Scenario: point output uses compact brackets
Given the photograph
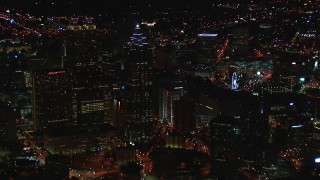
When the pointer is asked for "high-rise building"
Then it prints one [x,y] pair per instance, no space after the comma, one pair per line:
[137,39]
[167,99]
[150,32]
[240,40]
[137,102]
[89,80]
[51,100]
[21,79]
[226,135]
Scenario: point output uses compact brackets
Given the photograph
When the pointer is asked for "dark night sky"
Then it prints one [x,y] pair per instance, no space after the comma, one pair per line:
[99,6]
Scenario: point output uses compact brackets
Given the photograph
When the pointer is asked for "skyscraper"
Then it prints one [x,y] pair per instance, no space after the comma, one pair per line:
[137,102]
[167,99]
[240,40]
[51,100]
[89,80]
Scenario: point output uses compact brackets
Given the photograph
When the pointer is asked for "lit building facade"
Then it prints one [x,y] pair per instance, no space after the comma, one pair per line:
[91,105]
[282,85]
[136,106]
[79,141]
[89,80]
[167,99]
[51,100]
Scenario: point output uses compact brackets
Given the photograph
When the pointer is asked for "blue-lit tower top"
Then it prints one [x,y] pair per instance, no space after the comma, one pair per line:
[137,39]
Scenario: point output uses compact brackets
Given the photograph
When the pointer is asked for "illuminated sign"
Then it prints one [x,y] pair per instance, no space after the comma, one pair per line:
[149,24]
[55,72]
[297,126]
[207,35]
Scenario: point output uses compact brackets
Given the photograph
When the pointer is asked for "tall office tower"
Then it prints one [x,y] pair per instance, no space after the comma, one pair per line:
[51,100]
[137,102]
[240,40]
[226,136]
[150,32]
[114,66]
[91,91]
[167,98]
[137,39]
[207,45]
